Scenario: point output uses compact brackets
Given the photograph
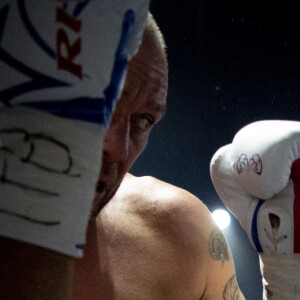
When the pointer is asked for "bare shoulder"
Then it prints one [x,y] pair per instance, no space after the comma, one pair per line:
[166,206]
[189,225]
[149,192]
[176,226]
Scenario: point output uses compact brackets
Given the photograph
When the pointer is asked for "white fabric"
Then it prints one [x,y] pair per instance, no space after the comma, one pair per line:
[228,189]
[99,34]
[268,222]
[48,204]
[51,144]
[281,276]
[278,144]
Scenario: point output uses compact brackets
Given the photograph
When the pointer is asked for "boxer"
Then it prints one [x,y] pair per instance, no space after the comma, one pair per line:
[151,240]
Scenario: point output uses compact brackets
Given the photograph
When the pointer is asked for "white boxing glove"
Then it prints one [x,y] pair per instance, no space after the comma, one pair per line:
[63,65]
[258,179]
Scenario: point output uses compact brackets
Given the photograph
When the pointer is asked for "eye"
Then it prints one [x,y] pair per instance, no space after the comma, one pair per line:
[142,123]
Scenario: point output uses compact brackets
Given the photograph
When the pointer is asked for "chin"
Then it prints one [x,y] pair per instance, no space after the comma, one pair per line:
[103,196]
[98,205]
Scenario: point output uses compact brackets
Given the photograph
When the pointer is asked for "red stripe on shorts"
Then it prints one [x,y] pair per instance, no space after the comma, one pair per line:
[295,176]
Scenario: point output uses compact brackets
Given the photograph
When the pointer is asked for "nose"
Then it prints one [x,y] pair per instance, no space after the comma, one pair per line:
[116,142]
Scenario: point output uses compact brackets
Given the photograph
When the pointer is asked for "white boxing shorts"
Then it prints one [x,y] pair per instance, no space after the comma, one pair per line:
[62,70]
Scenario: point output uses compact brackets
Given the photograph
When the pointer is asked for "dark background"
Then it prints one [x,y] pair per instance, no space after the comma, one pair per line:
[230,63]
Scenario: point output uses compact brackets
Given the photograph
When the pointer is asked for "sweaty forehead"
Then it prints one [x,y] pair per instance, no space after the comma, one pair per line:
[145,84]
[153,72]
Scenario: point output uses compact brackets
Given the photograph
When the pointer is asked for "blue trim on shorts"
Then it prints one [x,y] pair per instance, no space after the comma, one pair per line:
[82,108]
[79,246]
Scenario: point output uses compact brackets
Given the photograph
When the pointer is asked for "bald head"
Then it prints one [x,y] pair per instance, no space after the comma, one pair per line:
[153,37]
[152,51]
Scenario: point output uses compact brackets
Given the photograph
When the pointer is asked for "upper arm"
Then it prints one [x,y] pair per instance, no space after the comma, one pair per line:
[203,256]
[221,282]
[209,263]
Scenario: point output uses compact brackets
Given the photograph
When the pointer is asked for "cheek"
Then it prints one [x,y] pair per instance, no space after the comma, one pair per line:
[136,148]
[140,147]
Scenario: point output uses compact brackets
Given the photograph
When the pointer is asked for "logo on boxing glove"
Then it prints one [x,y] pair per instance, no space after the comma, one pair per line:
[245,164]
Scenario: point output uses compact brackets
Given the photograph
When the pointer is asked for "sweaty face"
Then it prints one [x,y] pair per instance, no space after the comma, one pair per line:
[141,106]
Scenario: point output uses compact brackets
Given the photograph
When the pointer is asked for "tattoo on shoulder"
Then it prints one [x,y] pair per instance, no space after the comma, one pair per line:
[218,246]
[231,290]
